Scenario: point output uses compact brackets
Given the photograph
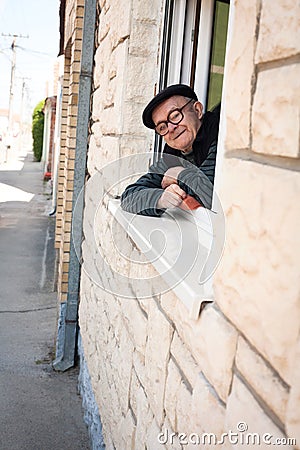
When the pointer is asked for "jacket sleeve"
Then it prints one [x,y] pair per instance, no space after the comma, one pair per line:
[142,196]
[198,181]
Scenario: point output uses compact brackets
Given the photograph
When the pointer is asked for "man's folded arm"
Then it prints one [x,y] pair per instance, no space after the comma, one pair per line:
[195,183]
[198,181]
[142,196]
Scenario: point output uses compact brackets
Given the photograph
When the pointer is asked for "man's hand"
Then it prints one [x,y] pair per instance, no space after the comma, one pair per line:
[170,176]
[171,197]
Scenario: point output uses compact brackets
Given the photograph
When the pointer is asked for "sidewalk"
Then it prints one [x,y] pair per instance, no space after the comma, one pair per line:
[40,409]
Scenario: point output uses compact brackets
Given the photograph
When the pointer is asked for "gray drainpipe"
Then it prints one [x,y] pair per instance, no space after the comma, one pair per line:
[66,357]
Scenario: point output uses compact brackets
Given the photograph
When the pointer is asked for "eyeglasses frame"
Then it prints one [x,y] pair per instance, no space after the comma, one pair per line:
[170,121]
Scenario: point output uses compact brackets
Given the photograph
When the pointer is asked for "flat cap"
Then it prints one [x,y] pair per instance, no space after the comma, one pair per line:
[174,89]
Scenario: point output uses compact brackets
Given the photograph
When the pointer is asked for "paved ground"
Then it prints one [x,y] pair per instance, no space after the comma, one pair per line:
[39,408]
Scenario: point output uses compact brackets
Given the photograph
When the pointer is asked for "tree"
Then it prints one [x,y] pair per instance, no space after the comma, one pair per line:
[38,130]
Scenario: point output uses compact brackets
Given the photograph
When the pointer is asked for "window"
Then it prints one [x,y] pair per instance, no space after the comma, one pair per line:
[193,46]
[193,50]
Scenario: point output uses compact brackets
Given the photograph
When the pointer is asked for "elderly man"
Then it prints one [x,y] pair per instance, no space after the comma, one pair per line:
[187,166]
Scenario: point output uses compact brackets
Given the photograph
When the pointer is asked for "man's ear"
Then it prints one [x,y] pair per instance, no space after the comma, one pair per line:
[199,109]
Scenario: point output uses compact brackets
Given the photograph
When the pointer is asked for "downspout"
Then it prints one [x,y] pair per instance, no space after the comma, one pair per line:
[70,325]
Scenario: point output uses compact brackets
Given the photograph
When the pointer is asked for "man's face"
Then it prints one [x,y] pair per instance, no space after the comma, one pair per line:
[181,136]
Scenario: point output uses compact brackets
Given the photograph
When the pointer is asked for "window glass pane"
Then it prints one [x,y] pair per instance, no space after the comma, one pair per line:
[218,54]
[188,41]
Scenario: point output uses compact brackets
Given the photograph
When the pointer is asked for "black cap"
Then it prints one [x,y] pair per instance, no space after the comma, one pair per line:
[174,89]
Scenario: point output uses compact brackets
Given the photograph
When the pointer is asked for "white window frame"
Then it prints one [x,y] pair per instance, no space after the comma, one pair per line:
[181,46]
[203,49]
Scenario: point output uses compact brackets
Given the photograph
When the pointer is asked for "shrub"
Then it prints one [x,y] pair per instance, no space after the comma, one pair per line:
[38,130]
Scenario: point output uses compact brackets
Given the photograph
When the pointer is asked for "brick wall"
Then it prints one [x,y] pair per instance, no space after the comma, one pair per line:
[73,39]
[152,368]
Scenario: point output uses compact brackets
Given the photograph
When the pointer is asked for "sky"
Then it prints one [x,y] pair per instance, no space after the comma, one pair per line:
[35,54]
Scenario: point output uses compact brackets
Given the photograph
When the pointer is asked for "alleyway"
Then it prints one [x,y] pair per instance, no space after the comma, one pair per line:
[40,409]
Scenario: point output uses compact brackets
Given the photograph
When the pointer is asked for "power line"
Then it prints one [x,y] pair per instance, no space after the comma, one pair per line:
[14,35]
[34,51]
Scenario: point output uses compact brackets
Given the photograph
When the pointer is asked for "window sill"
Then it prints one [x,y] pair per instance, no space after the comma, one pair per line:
[177,245]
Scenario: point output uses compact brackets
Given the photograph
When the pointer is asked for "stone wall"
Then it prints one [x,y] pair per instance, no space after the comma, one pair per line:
[155,371]
[257,283]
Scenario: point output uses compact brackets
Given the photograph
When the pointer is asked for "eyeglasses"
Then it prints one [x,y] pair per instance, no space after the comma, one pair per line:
[174,117]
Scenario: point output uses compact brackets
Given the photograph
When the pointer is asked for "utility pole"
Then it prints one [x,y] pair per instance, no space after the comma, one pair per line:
[11,87]
[12,79]
[23,99]
[22,131]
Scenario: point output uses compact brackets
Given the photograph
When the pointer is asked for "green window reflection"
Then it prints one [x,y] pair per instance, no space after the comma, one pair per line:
[216,72]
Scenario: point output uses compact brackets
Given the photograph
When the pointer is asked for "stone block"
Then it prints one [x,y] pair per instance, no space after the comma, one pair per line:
[144,304]
[108,150]
[120,21]
[144,419]
[139,367]
[207,412]
[143,41]
[135,387]
[111,121]
[124,437]
[239,70]
[172,387]
[261,377]
[92,156]
[99,77]
[121,366]
[143,278]
[183,399]
[149,12]
[257,282]
[275,113]
[135,322]
[211,341]
[246,418]
[133,162]
[167,438]
[108,99]
[132,117]
[184,359]
[96,135]
[156,359]
[136,82]
[136,143]
[114,245]
[293,407]
[107,399]
[279,30]
[190,414]
[152,442]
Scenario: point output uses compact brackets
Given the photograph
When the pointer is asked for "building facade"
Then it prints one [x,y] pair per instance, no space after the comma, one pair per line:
[174,363]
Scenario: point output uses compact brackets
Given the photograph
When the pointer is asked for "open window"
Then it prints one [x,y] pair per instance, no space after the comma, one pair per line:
[193,49]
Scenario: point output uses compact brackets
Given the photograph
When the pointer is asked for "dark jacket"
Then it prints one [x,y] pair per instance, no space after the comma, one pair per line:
[196,179]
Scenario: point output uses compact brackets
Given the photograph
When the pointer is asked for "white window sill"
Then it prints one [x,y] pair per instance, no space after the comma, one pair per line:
[177,245]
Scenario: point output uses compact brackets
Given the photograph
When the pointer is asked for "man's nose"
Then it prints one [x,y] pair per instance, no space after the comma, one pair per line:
[172,126]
